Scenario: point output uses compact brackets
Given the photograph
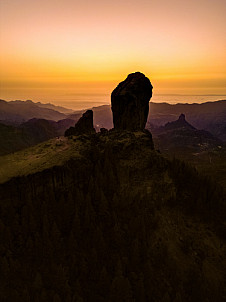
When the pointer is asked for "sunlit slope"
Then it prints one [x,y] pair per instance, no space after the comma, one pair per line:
[35,159]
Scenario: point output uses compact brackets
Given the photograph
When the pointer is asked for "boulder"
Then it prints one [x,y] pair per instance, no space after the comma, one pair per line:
[130,102]
[83,126]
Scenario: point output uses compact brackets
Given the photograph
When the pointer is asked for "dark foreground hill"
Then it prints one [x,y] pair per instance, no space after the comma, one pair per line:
[106,218]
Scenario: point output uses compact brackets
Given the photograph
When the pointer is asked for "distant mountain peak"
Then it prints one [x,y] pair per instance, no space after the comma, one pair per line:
[179,123]
[182,117]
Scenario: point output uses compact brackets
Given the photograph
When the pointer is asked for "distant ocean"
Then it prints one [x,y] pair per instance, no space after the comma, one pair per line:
[78,102]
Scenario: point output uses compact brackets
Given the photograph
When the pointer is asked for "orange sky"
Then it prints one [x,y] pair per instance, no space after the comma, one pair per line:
[55,48]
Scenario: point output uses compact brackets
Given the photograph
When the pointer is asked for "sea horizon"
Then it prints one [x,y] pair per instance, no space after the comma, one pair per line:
[86,101]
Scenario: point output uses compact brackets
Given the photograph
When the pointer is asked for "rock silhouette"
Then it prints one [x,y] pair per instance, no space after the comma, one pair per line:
[182,117]
[130,102]
[83,126]
[179,123]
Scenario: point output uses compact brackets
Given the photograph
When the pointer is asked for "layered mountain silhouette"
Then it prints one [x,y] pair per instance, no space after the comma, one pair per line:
[17,112]
[54,107]
[104,217]
[180,136]
[210,116]
[32,132]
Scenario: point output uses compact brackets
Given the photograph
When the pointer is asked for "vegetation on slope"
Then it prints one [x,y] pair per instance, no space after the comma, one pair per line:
[32,132]
[114,221]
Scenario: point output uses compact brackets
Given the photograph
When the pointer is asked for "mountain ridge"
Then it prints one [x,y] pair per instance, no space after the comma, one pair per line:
[18,112]
[31,132]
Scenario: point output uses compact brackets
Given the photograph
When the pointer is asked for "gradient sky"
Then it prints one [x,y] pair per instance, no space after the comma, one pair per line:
[53,50]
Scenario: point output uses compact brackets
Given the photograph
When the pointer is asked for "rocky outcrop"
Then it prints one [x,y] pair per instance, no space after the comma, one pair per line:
[182,117]
[130,102]
[83,126]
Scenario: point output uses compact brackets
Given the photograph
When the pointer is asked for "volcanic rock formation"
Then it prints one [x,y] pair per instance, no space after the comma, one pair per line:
[83,126]
[130,102]
[179,123]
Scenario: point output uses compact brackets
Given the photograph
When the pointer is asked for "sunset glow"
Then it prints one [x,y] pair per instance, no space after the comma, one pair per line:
[52,49]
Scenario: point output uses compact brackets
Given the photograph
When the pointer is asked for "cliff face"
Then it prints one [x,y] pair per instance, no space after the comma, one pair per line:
[130,102]
[113,221]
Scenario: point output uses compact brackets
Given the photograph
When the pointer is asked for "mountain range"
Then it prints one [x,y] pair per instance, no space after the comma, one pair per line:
[17,112]
[210,116]
[180,136]
[32,132]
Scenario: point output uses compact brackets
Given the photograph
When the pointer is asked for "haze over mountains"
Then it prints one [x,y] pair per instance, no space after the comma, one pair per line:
[17,112]
[210,116]
[25,124]
[180,136]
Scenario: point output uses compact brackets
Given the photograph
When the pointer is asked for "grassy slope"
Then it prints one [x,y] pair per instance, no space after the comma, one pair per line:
[35,159]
